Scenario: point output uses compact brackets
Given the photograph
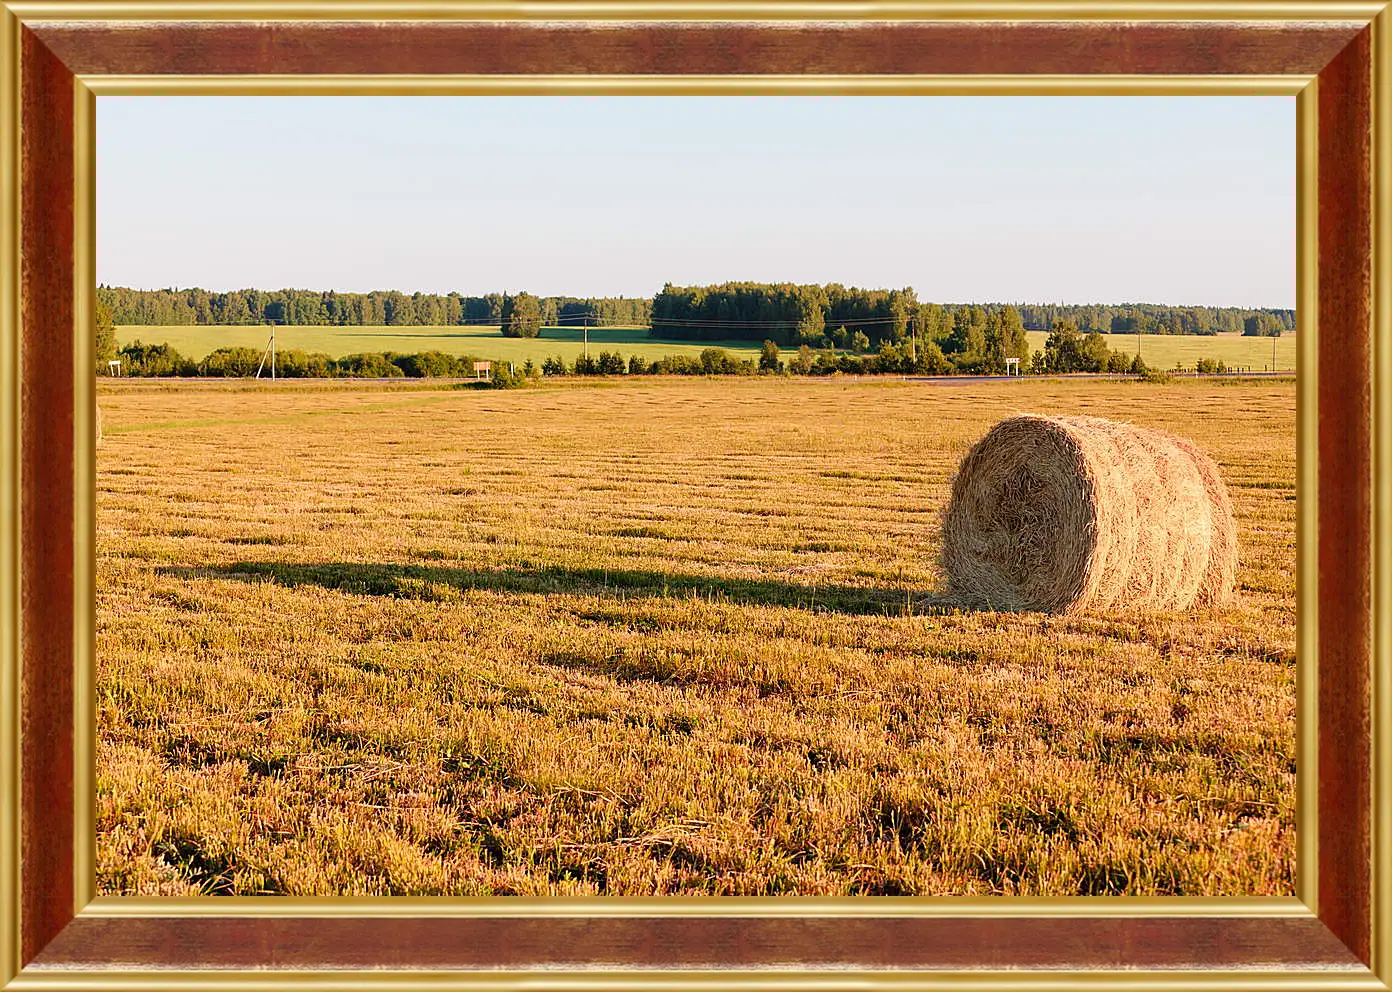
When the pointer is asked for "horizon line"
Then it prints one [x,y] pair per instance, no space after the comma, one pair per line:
[621,296]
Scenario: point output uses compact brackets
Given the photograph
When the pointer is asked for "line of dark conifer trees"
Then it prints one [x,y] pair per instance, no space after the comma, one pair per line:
[836,316]
[378,308]
[787,313]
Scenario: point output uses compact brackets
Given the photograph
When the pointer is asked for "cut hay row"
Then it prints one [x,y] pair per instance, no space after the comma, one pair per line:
[1058,514]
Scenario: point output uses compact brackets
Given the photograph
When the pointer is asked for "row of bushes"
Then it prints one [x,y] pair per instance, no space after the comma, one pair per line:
[889,360]
[162,360]
[929,360]
[712,361]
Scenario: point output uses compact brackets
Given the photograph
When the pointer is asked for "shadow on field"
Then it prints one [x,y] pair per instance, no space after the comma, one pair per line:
[433,582]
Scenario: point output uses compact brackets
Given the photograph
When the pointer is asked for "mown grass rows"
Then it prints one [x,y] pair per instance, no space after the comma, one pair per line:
[669,637]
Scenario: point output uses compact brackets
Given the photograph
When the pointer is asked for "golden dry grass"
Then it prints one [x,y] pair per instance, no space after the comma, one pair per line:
[659,637]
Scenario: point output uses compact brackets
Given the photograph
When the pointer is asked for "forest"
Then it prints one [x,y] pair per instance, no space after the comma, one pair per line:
[786,313]
[379,308]
[834,315]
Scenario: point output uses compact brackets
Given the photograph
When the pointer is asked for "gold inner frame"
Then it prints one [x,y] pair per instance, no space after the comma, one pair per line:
[1304,88]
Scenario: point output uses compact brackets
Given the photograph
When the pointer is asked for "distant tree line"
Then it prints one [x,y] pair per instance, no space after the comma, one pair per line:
[787,313]
[139,359]
[1151,318]
[834,315]
[378,308]
[1067,350]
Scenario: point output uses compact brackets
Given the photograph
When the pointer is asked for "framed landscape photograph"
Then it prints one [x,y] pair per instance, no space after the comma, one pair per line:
[686,495]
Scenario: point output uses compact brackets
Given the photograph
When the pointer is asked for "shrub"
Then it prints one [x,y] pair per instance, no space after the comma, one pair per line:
[931,360]
[892,358]
[503,379]
[636,366]
[611,363]
[1118,362]
[232,362]
[553,366]
[717,361]
[432,364]
[677,365]
[155,360]
[768,358]
[368,365]
[297,364]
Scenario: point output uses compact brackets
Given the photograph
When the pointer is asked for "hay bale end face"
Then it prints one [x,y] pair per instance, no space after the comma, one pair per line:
[1056,514]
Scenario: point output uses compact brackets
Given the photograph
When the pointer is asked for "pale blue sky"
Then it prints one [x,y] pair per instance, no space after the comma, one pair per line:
[1184,200]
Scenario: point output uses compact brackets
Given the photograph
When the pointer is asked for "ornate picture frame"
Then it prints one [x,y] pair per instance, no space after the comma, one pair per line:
[57,56]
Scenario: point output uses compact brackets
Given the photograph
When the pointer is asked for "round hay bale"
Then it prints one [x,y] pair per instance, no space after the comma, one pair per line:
[1056,514]
[1219,584]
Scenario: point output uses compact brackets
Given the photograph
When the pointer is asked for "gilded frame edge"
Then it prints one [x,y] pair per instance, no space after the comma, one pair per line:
[1360,11]
[1304,904]
[1381,715]
[598,980]
[9,497]
[87,904]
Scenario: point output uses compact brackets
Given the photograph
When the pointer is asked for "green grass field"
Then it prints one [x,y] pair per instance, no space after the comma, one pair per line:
[486,342]
[659,636]
[197,341]
[1164,350]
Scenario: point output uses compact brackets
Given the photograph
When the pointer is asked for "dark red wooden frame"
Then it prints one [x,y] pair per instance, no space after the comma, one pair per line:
[1341,935]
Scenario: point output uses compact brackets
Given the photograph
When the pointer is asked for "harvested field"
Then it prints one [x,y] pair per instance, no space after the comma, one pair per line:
[657,636]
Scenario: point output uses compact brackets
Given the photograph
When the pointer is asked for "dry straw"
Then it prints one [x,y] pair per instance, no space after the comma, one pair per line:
[1064,513]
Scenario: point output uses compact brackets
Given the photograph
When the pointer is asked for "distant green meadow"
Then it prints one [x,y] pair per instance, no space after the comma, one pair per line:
[1164,351]
[197,340]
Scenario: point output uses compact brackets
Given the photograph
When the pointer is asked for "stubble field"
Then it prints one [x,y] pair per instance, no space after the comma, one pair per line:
[659,637]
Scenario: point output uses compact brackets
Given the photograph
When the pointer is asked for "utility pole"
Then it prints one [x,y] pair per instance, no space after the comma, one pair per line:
[269,352]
